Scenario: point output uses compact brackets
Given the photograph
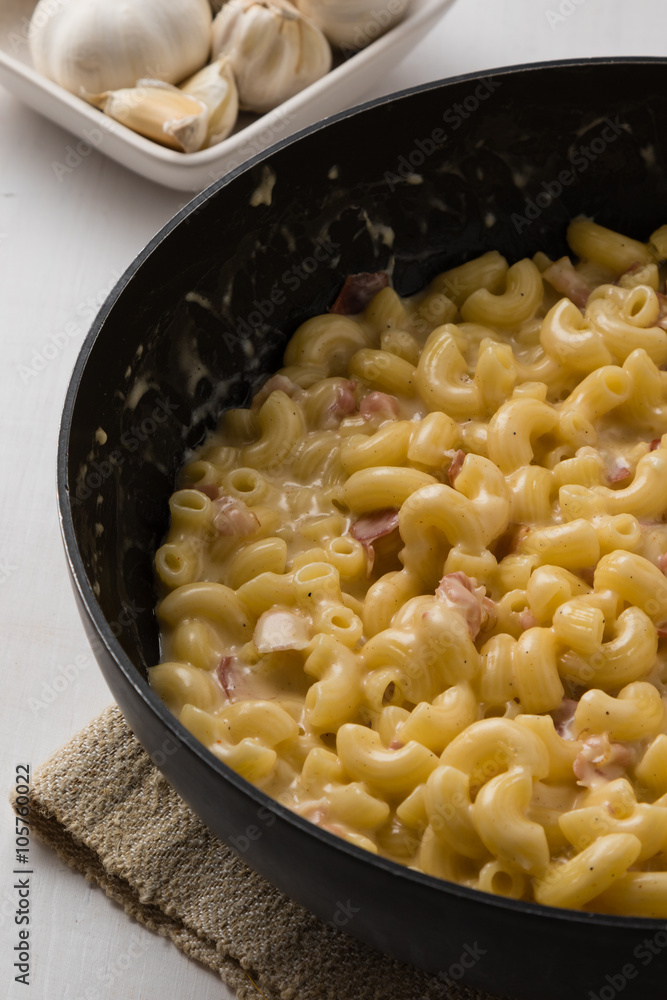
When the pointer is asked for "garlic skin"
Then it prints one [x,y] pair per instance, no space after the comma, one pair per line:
[274,50]
[90,46]
[158,111]
[215,87]
[353,24]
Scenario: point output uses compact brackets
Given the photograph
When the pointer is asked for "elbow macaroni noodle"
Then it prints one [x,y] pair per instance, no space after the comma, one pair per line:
[416,591]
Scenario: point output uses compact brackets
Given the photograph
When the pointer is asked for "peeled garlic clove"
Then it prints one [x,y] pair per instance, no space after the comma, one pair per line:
[353,24]
[159,112]
[275,52]
[101,45]
[215,87]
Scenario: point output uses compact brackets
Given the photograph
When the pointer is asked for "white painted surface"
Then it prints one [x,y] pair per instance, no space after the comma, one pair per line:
[62,243]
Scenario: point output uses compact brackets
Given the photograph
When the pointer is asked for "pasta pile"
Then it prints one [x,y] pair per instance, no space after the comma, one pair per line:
[416,591]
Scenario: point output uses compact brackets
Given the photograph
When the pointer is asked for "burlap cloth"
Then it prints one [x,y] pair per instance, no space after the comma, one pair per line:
[100,803]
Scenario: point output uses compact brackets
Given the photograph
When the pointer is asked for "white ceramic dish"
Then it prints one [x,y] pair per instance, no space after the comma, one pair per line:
[339,89]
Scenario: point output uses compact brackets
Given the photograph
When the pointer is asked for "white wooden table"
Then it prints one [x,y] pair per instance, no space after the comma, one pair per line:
[63,243]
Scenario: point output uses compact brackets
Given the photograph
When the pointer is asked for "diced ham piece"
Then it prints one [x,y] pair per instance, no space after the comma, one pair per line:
[344,404]
[379,404]
[211,491]
[462,594]
[655,443]
[601,760]
[617,471]
[233,517]
[369,527]
[229,676]
[562,276]
[278,630]
[563,717]
[527,619]
[374,525]
[280,382]
[395,745]
[358,291]
[458,458]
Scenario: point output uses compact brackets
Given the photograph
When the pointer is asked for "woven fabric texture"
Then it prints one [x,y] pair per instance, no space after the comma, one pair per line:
[101,804]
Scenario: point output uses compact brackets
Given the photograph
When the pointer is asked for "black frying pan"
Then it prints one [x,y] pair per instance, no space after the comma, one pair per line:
[419,181]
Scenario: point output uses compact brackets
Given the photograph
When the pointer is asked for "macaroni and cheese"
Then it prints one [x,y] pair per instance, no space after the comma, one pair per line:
[416,590]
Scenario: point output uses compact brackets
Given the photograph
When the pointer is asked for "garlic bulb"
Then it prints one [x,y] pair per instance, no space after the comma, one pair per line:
[98,45]
[274,50]
[353,24]
[214,86]
[159,112]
